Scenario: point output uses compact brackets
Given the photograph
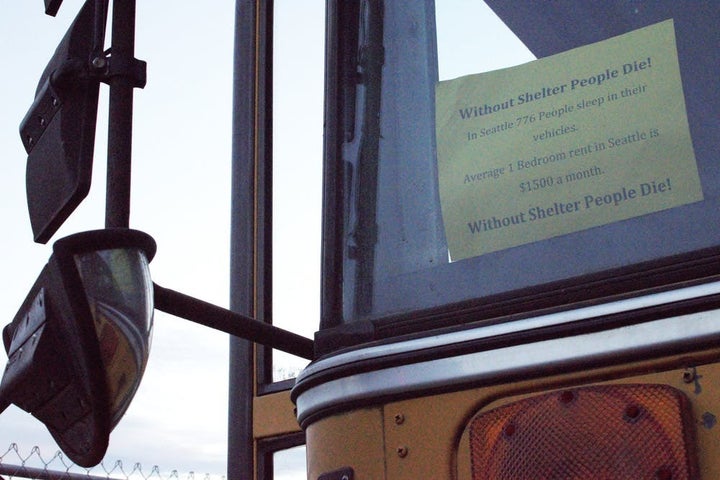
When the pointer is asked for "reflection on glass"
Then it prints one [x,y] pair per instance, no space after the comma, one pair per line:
[119,292]
[394,238]
[463,50]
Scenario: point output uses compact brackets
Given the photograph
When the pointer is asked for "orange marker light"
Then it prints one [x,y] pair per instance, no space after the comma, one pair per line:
[600,432]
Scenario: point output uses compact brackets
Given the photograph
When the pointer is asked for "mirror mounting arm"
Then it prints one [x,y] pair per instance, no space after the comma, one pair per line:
[218,318]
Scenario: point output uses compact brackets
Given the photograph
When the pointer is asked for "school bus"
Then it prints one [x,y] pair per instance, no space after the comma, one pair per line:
[519,264]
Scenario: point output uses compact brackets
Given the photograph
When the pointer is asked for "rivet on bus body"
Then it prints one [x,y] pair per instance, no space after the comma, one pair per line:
[632,413]
[663,473]
[567,397]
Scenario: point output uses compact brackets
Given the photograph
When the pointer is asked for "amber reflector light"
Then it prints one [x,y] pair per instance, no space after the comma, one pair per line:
[601,432]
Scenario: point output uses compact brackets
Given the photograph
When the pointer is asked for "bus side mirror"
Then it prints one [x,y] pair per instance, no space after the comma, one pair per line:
[78,346]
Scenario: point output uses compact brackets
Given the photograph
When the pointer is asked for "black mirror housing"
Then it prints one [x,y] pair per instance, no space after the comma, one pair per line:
[78,346]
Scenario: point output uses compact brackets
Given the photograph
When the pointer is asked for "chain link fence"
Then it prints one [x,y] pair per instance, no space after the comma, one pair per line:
[14,464]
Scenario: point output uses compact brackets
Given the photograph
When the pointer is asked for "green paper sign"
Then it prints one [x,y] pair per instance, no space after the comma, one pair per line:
[587,137]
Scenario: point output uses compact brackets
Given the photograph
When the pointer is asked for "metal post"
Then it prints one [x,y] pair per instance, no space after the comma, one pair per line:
[122,82]
[241,457]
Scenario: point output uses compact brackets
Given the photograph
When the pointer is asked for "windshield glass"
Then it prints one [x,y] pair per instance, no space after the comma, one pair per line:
[468,174]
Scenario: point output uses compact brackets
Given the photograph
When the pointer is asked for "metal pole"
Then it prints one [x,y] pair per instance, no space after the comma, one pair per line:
[122,82]
[241,456]
[242,326]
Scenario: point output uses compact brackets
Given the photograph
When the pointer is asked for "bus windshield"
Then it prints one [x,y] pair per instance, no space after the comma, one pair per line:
[491,159]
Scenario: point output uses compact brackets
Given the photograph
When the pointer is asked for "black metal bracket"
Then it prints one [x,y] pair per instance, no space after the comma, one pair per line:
[218,318]
[107,67]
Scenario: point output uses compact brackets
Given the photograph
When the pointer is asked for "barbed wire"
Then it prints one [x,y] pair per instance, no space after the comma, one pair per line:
[34,466]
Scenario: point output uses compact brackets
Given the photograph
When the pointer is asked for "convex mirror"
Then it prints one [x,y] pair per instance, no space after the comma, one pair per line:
[78,346]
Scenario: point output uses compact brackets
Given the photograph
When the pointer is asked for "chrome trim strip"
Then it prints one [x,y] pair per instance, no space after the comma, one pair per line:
[487,367]
[595,311]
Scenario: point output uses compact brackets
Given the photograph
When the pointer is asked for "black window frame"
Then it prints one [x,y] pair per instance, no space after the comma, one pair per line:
[251,365]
